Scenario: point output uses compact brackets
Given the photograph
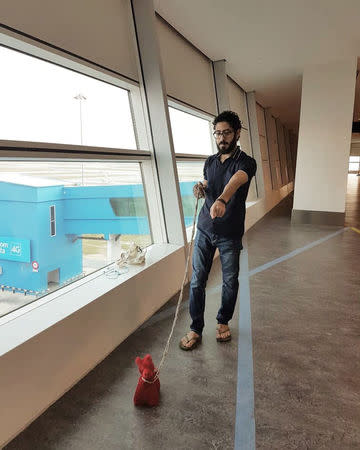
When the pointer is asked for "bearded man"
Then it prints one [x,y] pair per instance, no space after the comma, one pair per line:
[227,177]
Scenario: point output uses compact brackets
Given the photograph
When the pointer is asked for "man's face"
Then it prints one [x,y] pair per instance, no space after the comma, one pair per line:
[226,137]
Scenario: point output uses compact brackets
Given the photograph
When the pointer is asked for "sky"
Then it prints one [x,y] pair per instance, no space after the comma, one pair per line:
[39,105]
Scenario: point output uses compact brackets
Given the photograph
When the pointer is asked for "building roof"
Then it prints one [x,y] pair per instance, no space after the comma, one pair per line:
[26,180]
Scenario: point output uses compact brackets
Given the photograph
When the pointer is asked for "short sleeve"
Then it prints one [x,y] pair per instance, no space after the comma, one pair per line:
[206,165]
[249,167]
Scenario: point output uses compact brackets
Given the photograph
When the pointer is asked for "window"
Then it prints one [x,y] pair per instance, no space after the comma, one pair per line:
[189,174]
[52,221]
[44,102]
[191,134]
[354,164]
[96,209]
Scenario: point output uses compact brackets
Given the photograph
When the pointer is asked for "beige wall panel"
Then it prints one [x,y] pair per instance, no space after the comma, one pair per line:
[245,142]
[264,148]
[273,152]
[355,149]
[267,176]
[98,31]
[278,174]
[261,120]
[237,99]
[188,73]
[275,174]
[288,155]
[252,194]
[282,152]
[293,147]
[246,147]
[273,141]
[265,204]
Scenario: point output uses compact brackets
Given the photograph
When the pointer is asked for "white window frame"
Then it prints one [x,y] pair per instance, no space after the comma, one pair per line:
[144,153]
[191,157]
[197,113]
[9,40]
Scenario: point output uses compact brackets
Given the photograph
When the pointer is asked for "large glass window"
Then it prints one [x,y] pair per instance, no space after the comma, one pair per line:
[43,102]
[354,164]
[189,174]
[95,209]
[191,134]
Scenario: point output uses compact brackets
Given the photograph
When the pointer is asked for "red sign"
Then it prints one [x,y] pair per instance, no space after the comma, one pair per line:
[35,266]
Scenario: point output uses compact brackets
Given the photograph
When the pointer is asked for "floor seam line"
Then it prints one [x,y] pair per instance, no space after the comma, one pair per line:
[294,253]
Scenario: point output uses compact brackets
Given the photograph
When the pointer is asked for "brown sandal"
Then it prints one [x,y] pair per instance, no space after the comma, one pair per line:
[196,339]
[223,339]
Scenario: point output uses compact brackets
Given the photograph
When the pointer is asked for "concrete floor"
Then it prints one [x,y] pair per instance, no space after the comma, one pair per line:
[305,328]
[305,319]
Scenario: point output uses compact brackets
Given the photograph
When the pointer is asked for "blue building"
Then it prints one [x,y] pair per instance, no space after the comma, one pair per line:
[43,222]
[36,248]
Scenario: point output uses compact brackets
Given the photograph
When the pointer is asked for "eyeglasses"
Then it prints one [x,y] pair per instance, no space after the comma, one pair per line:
[224,133]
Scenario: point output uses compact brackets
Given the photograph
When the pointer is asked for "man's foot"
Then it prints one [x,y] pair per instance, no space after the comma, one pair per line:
[223,333]
[190,341]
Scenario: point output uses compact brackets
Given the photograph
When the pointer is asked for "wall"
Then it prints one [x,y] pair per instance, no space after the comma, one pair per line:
[38,372]
[324,136]
[258,210]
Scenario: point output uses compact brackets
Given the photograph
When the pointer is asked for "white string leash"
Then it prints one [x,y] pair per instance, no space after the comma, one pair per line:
[166,350]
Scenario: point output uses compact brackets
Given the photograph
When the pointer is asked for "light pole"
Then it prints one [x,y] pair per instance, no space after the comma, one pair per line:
[81,97]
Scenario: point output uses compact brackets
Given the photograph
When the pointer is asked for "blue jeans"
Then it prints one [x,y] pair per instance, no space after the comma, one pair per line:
[204,248]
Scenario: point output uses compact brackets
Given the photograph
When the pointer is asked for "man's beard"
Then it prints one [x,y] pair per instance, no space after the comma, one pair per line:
[230,149]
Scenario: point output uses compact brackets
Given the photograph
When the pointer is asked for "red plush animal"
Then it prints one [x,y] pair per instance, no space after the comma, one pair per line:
[147,391]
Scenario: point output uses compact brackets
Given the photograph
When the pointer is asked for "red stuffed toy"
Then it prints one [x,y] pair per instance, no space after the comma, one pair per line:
[147,391]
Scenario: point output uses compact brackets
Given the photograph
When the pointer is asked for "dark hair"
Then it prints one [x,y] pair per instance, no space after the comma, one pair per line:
[230,117]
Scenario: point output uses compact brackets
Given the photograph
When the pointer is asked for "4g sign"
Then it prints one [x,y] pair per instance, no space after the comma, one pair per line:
[14,249]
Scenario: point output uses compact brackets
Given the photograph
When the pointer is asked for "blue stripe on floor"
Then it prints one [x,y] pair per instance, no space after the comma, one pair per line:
[245,420]
[294,253]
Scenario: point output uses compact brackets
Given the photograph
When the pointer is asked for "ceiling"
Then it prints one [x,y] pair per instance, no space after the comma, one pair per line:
[266,43]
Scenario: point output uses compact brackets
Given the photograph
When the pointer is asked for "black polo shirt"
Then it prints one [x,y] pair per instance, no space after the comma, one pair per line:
[218,175]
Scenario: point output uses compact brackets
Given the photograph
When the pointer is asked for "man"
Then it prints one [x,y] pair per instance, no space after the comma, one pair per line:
[227,177]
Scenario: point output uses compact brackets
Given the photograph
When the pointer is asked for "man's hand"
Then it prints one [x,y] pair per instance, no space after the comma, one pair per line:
[218,209]
[199,190]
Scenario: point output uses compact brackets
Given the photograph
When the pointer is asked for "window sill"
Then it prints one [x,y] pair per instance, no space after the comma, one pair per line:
[21,325]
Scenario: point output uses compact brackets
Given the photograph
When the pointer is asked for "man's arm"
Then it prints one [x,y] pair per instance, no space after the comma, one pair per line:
[238,179]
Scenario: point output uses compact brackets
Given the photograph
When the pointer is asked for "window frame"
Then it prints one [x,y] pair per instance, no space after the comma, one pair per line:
[356,171]
[22,45]
[11,150]
[191,157]
[144,154]
[200,114]
[52,208]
